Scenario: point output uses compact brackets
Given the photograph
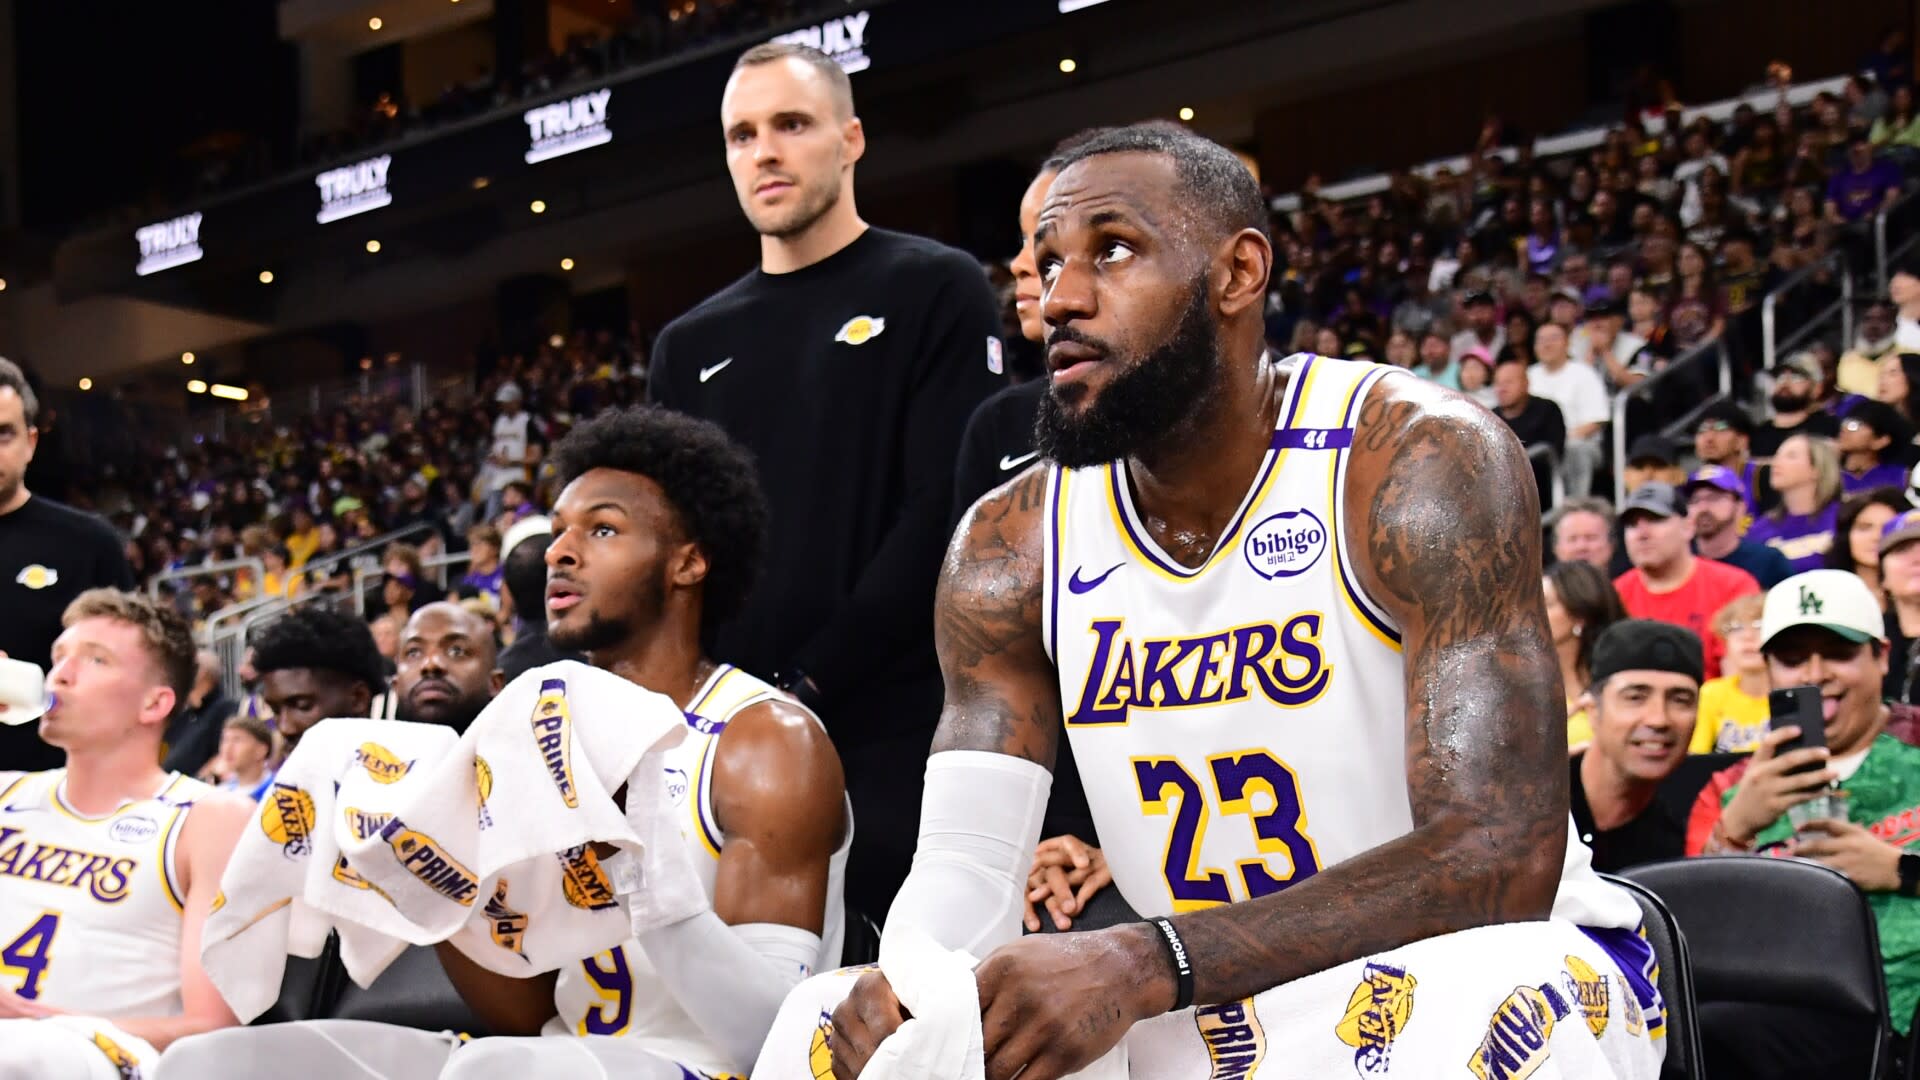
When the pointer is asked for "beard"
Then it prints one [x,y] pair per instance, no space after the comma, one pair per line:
[783,223]
[457,713]
[1143,404]
[1790,403]
[602,631]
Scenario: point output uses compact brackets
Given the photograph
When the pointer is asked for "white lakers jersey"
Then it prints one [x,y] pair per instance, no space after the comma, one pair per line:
[90,907]
[618,992]
[1240,725]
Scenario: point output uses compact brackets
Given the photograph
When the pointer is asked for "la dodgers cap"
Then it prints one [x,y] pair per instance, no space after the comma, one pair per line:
[1833,600]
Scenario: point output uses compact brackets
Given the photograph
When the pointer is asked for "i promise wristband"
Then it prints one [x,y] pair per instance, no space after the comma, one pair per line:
[1182,967]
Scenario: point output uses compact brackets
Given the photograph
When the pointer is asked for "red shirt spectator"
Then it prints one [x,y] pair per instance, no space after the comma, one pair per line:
[1668,581]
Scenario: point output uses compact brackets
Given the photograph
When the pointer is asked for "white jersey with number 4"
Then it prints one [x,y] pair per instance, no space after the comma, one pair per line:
[618,992]
[91,907]
[1240,725]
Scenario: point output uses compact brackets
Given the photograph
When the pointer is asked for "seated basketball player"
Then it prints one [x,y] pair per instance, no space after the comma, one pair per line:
[1286,614]
[108,866]
[657,533]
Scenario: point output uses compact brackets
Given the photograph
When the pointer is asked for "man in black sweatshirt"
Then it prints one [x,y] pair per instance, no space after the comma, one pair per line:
[848,362]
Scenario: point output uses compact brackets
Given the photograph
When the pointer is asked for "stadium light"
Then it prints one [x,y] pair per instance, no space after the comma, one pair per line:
[186,358]
[556,341]
[480,183]
[1186,113]
[373,247]
[231,393]
[1067,65]
[266,277]
[195,386]
[375,23]
[3,284]
[86,384]
[537,206]
[566,264]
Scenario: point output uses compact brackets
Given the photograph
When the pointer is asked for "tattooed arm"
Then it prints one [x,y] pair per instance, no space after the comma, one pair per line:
[1001,693]
[1444,499]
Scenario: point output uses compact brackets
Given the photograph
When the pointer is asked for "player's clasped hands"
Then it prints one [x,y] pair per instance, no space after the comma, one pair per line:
[15,1007]
[1770,786]
[1066,873]
[1050,1005]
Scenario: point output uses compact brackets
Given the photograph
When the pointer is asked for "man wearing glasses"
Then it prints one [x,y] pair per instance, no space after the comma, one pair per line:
[1723,436]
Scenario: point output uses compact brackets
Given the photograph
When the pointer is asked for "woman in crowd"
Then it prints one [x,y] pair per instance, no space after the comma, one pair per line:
[1580,604]
[1696,314]
[1476,377]
[1862,518]
[1900,579]
[1806,477]
[1900,386]
[1733,707]
[1402,351]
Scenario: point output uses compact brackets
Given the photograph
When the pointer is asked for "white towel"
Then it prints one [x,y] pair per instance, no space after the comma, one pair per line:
[392,833]
[942,1039]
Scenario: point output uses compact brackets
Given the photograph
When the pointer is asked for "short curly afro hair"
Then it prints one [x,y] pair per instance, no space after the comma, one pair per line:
[710,480]
[321,639]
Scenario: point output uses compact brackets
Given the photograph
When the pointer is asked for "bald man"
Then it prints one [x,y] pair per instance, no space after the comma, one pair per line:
[445,666]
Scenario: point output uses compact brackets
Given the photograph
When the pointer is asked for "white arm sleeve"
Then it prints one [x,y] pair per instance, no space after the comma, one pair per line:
[731,979]
[979,825]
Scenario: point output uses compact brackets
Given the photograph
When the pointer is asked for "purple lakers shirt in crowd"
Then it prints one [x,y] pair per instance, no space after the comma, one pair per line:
[1802,538]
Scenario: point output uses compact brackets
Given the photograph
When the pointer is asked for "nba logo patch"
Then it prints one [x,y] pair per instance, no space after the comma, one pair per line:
[996,362]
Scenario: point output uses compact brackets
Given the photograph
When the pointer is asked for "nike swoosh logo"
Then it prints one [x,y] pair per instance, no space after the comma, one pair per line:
[1008,462]
[709,372]
[1077,586]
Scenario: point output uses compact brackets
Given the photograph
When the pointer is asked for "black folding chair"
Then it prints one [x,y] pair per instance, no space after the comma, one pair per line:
[413,991]
[1782,935]
[1676,983]
[861,943]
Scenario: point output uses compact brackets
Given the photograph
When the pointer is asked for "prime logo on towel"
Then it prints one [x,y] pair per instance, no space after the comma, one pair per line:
[1236,1043]
[553,732]
[483,785]
[1377,1012]
[1516,1042]
[286,816]
[124,1063]
[380,763]
[585,884]
[1588,988]
[508,927]
[424,858]
[363,824]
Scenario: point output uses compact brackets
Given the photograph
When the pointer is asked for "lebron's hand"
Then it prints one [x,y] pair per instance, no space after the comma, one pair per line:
[869,1014]
[1054,1004]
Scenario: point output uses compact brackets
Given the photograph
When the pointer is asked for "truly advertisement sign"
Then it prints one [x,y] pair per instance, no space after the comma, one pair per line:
[167,244]
[353,189]
[566,127]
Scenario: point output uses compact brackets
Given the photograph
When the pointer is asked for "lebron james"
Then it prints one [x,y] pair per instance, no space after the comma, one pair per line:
[1287,612]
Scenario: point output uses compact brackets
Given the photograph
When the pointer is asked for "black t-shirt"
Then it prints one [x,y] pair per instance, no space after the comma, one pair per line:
[1767,437]
[1660,832]
[1539,422]
[49,554]
[998,443]
[850,380]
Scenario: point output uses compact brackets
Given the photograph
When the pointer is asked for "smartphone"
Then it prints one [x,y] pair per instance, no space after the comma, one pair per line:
[1798,706]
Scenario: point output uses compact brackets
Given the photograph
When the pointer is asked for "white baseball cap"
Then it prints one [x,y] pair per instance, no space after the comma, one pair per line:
[1834,600]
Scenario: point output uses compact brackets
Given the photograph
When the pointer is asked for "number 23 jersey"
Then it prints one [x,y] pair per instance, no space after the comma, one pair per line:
[1240,724]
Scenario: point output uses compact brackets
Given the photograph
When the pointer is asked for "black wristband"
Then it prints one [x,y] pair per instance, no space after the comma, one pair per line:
[1909,874]
[1182,967]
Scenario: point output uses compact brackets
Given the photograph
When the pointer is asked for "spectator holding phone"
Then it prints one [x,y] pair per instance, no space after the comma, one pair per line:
[1823,628]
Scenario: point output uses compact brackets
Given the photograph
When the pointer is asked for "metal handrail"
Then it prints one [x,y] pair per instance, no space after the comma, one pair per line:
[1771,348]
[1644,388]
[203,570]
[1557,485]
[364,576]
[366,547]
[1881,257]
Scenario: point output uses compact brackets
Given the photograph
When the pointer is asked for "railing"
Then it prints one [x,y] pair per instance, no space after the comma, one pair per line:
[1882,258]
[203,570]
[1717,348]
[364,576]
[1557,486]
[1771,346]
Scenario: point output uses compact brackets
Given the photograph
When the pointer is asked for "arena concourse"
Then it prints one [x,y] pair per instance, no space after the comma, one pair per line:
[391,349]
